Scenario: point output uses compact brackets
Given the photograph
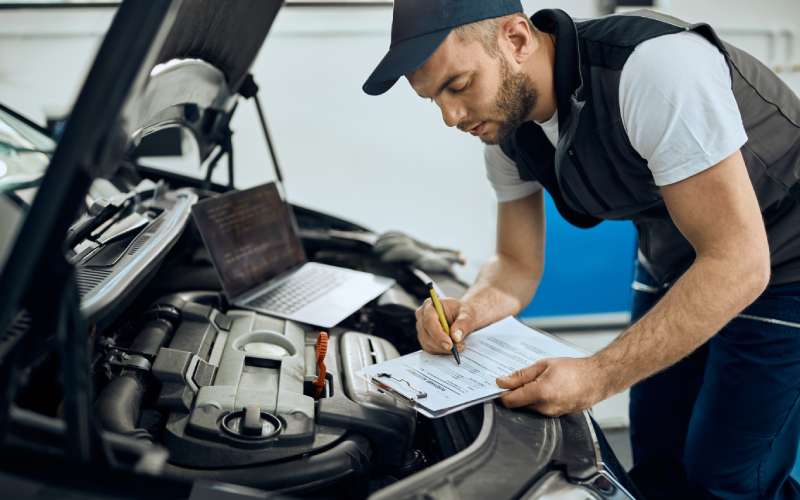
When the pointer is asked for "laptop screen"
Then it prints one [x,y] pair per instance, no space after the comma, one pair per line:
[250,236]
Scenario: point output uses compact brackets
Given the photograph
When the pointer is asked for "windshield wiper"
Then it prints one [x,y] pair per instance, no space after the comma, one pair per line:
[100,212]
[104,209]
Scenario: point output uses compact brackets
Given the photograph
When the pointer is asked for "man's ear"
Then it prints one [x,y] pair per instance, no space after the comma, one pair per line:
[518,37]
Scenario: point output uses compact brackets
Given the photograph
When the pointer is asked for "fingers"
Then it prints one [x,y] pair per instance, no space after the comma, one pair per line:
[427,342]
[554,386]
[527,395]
[452,307]
[522,376]
[531,387]
[462,326]
[430,334]
[432,325]
[534,396]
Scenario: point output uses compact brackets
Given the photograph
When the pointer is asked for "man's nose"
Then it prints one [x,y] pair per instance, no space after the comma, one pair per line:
[452,113]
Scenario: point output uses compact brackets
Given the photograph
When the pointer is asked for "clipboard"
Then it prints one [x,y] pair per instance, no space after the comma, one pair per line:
[435,386]
[416,398]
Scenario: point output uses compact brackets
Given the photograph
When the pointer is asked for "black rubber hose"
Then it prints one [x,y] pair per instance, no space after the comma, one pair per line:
[344,466]
[152,337]
[119,404]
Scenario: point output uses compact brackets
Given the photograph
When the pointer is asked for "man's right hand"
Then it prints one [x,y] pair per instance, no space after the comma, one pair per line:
[430,334]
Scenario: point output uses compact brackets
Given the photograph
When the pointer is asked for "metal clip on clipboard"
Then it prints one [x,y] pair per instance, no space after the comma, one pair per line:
[412,397]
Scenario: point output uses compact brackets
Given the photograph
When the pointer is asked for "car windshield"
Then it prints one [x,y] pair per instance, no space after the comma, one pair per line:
[24,153]
[24,156]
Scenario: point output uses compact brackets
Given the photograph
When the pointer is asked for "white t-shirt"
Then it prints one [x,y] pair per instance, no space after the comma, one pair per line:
[677,108]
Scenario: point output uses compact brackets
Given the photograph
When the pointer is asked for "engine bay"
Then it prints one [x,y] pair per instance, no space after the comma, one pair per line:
[235,395]
[231,396]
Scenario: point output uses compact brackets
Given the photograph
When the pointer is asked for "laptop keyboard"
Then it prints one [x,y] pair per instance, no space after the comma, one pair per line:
[299,290]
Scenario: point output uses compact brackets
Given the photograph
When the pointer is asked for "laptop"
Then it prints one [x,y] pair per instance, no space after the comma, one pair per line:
[253,243]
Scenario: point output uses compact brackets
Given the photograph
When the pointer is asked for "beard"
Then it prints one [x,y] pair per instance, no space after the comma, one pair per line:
[515,99]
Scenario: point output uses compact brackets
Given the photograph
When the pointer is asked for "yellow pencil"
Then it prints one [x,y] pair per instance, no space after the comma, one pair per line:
[443,320]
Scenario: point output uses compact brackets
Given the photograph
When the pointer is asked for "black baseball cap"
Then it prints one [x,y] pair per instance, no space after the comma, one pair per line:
[420,26]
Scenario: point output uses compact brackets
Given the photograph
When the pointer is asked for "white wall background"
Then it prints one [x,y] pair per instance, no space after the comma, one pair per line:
[386,162]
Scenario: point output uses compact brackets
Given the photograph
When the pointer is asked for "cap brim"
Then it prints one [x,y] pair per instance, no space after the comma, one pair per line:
[404,57]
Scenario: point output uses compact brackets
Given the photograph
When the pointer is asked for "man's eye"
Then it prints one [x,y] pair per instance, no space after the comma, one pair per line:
[459,88]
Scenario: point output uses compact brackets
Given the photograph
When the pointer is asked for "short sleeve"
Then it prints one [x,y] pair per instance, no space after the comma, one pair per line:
[504,177]
[678,107]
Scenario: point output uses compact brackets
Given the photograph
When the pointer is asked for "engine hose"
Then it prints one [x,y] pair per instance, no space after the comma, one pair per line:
[119,404]
[152,337]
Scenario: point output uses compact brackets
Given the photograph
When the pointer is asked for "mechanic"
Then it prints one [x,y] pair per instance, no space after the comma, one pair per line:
[646,118]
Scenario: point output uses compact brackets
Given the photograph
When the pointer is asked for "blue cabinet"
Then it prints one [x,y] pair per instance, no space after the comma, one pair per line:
[587,271]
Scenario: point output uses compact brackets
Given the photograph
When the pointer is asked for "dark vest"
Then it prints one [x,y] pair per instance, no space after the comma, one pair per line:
[595,174]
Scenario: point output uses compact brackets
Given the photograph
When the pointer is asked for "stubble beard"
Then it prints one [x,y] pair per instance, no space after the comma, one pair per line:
[515,99]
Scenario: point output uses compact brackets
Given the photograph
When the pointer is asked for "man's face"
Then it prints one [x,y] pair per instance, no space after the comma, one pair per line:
[477,92]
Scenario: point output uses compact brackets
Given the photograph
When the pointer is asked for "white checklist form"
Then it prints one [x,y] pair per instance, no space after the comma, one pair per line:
[435,385]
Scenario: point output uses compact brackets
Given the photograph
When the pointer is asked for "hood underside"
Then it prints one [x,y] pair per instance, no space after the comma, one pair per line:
[201,66]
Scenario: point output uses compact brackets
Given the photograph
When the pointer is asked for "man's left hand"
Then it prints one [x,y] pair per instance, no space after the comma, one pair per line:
[555,386]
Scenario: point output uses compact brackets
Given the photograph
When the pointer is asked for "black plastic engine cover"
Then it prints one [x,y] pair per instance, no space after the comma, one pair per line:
[235,388]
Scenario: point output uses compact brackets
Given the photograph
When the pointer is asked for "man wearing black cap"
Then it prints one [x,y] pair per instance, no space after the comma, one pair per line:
[646,118]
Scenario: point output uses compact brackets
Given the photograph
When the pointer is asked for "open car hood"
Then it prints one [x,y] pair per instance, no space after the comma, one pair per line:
[200,69]
[162,63]
[192,82]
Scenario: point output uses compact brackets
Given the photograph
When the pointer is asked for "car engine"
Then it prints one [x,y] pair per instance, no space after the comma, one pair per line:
[234,395]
